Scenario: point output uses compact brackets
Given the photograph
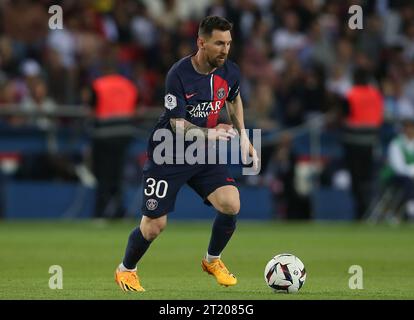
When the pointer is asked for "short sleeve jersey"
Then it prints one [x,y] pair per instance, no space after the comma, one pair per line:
[197,98]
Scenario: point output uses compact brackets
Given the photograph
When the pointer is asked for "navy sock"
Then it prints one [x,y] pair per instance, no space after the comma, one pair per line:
[136,247]
[223,228]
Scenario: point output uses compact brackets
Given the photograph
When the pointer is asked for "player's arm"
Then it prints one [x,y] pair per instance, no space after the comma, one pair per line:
[182,126]
[235,111]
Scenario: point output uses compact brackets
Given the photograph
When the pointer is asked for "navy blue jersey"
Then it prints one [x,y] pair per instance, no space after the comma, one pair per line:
[198,98]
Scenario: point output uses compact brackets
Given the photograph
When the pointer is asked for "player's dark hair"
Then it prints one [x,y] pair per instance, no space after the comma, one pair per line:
[211,23]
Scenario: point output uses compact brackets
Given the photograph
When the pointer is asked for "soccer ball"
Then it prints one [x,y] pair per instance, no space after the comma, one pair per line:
[285,273]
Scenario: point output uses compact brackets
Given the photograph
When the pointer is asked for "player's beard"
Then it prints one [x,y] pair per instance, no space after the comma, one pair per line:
[216,62]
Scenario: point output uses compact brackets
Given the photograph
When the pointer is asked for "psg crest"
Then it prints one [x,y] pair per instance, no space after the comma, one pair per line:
[221,93]
[152,204]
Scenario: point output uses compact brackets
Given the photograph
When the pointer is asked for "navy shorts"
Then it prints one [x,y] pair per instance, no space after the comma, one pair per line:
[161,184]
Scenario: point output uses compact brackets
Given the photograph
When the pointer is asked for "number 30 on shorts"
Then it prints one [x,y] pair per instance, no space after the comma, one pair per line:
[159,187]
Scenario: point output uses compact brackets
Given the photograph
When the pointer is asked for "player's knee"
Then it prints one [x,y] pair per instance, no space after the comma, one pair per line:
[227,201]
[230,207]
[152,228]
[152,232]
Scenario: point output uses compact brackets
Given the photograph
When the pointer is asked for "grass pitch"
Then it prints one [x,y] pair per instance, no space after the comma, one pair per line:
[89,252]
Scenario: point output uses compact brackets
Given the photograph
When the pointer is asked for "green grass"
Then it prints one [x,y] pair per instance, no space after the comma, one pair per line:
[89,252]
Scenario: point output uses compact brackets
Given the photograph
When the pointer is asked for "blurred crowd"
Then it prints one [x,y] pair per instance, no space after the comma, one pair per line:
[297,56]
[293,53]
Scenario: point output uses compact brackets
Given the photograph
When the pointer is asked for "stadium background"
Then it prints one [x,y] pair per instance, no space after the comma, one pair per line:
[296,58]
[291,82]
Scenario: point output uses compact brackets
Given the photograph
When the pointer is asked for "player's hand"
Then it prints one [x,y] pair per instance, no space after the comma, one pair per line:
[227,127]
[221,132]
[246,148]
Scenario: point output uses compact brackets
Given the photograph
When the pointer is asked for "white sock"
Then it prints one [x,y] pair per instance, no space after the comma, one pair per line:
[122,268]
[210,258]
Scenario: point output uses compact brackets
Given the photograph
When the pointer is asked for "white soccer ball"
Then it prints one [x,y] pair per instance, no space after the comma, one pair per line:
[285,273]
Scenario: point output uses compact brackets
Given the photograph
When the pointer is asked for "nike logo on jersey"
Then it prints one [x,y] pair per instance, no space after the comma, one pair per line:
[188,96]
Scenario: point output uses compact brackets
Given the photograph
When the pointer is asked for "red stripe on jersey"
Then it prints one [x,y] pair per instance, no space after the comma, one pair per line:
[220,92]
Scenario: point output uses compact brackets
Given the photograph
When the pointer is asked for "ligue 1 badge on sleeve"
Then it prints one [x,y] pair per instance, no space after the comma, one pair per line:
[170,101]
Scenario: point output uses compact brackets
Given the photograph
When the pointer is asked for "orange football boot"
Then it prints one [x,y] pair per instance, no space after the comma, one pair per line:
[219,271]
[128,280]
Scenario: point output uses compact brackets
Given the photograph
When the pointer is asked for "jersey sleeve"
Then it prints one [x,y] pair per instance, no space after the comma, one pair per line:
[174,101]
[235,83]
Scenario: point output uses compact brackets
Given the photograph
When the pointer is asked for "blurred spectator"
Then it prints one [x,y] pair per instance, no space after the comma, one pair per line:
[370,42]
[63,42]
[39,101]
[392,21]
[218,8]
[263,107]
[9,61]
[408,42]
[338,82]
[289,203]
[143,29]
[312,91]
[320,49]
[61,62]
[255,56]
[364,117]
[289,37]
[408,84]
[345,58]
[395,101]
[8,92]
[401,162]
[146,81]
[168,16]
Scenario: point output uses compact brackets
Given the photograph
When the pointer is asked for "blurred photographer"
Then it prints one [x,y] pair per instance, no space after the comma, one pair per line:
[401,162]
